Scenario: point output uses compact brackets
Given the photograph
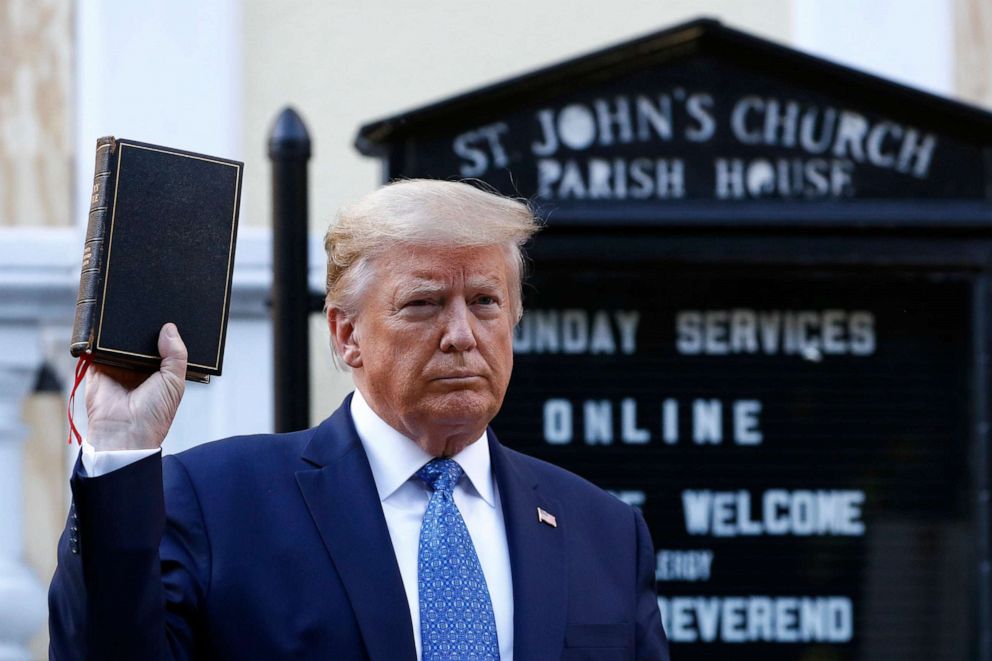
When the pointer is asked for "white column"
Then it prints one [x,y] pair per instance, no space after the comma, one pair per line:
[171,73]
[162,72]
[22,598]
[38,278]
[908,41]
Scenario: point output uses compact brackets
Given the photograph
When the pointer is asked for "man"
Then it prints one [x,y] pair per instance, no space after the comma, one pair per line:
[399,528]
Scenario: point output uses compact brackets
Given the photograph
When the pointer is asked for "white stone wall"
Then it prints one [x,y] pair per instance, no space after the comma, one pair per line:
[35,117]
[908,41]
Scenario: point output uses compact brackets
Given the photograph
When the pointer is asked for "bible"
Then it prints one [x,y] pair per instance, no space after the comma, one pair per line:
[159,247]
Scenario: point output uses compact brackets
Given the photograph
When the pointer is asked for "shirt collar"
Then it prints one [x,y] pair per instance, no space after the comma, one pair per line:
[394,458]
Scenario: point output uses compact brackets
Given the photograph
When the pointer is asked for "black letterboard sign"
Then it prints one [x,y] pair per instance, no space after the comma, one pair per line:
[799,449]
[802,433]
[700,114]
[708,129]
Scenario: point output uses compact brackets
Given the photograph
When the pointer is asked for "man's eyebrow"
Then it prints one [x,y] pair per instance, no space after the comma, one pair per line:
[485,282]
[419,287]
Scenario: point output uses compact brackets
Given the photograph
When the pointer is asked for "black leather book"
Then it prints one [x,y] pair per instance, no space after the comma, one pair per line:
[159,248]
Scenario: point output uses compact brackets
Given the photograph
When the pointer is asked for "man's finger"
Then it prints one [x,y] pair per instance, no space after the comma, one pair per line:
[173,351]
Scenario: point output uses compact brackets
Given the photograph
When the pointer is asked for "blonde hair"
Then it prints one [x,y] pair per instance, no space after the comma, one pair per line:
[421,212]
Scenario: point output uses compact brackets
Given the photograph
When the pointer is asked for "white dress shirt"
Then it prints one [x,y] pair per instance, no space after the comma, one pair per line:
[394,460]
[100,462]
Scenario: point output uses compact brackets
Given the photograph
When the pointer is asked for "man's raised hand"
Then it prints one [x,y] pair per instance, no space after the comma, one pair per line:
[130,410]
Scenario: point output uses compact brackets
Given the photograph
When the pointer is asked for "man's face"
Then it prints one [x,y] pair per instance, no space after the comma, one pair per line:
[431,347]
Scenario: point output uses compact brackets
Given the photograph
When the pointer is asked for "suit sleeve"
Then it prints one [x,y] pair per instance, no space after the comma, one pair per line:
[131,581]
[652,644]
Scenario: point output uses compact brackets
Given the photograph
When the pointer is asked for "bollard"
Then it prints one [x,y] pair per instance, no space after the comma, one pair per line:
[289,152]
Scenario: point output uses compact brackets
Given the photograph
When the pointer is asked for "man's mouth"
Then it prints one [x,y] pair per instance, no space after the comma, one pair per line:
[455,378]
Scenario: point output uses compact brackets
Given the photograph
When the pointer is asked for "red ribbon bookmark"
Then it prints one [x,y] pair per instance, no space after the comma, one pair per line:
[82,365]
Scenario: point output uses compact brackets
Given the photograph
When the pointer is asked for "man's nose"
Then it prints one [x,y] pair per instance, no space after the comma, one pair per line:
[458,332]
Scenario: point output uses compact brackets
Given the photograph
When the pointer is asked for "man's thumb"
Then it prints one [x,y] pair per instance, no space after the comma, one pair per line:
[173,351]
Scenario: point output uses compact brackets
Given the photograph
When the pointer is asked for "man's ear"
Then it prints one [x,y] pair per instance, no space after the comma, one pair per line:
[344,338]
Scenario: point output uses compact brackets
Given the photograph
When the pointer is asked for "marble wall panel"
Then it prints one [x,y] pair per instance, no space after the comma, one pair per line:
[36,49]
[973,51]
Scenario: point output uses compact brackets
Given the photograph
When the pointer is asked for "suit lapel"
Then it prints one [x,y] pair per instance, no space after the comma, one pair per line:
[536,559]
[341,496]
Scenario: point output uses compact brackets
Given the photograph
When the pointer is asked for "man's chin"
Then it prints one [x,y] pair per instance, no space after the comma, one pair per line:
[463,407]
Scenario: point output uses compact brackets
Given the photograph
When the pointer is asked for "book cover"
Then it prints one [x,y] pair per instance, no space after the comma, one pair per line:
[159,248]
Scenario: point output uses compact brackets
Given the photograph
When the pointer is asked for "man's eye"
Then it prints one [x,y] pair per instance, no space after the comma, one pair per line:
[486,300]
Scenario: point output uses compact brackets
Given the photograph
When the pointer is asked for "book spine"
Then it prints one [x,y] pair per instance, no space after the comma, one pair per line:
[90,277]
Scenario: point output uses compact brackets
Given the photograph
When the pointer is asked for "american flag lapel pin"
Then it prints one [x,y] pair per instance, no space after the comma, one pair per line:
[546,517]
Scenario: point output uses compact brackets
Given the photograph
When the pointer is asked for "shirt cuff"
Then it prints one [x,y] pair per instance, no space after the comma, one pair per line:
[100,462]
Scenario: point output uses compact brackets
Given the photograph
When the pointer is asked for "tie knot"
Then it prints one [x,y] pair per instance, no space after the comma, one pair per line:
[441,474]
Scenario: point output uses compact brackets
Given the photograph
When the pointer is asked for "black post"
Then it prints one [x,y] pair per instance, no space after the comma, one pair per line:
[289,151]
[980,327]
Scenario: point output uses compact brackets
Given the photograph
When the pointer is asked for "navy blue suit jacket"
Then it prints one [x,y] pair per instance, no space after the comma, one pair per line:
[275,547]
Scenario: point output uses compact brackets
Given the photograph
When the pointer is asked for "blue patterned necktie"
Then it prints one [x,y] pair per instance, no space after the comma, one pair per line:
[456,614]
